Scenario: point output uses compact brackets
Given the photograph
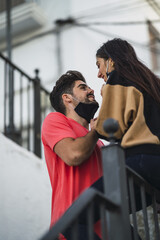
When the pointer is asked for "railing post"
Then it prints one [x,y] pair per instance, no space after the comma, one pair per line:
[11,127]
[37,115]
[115,185]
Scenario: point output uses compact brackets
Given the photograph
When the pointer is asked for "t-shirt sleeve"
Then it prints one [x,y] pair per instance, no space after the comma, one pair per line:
[121,103]
[55,128]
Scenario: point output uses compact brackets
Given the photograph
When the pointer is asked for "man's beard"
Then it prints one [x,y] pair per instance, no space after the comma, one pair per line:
[87,109]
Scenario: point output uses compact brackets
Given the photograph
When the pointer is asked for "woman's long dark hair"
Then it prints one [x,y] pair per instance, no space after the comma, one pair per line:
[128,66]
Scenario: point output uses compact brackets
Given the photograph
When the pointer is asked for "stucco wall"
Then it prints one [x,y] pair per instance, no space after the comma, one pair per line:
[25,193]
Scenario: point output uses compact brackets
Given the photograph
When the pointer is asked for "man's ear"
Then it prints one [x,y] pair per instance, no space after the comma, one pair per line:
[67,98]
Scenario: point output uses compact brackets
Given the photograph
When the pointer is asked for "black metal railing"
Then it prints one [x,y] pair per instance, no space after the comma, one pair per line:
[143,198]
[83,210]
[24,104]
[125,193]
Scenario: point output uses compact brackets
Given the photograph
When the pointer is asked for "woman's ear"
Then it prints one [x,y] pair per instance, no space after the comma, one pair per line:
[112,62]
[111,65]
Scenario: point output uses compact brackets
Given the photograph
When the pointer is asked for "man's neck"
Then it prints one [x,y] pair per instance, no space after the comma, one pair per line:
[77,118]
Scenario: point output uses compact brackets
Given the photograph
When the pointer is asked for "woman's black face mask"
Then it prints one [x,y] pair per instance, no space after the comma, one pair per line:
[87,110]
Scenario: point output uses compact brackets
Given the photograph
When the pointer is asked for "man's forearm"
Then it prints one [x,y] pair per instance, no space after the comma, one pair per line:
[75,151]
[84,146]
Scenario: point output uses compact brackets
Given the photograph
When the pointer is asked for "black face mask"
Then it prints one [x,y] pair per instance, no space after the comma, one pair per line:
[87,110]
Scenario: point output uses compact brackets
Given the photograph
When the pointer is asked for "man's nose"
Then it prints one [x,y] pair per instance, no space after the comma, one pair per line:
[91,91]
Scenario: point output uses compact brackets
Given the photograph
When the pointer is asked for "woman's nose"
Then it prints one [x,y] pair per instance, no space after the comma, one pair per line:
[99,74]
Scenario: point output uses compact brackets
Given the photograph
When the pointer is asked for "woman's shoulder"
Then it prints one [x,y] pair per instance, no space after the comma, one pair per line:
[116,79]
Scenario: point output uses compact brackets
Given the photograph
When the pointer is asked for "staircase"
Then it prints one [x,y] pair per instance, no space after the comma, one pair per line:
[117,206]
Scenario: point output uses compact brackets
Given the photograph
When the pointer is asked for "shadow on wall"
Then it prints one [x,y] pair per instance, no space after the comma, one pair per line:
[25,193]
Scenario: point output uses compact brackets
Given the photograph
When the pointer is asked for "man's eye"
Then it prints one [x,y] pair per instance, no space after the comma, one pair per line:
[83,87]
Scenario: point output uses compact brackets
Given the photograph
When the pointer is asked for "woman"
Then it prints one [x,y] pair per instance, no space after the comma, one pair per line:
[131,96]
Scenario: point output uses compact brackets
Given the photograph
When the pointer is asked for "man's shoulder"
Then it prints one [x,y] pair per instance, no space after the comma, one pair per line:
[53,119]
[55,116]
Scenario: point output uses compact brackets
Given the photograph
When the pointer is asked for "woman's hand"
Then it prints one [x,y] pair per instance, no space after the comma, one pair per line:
[93,123]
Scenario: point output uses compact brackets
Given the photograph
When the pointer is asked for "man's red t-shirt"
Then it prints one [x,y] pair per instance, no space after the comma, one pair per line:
[67,182]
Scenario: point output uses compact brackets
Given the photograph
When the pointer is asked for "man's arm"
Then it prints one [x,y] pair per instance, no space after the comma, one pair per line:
[76,151]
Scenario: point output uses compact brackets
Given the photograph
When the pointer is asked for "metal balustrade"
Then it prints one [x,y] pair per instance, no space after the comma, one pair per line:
[143,198]
[125,193]
[24,103]
[83,210]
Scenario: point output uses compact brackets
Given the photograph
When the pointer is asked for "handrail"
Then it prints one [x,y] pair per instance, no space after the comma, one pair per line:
[25,123]
[45,90]
[76,209]
[140,180]
[16,67]
[22,72]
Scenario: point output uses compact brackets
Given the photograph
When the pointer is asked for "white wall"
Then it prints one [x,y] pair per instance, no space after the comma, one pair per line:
[25,193]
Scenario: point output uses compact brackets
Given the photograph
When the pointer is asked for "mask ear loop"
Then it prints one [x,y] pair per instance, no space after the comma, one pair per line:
[108,56]
[107,68]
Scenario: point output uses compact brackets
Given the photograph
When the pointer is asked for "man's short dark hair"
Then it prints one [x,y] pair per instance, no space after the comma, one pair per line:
[64,84]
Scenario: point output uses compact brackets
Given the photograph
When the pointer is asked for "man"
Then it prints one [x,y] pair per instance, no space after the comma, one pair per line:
[72,152]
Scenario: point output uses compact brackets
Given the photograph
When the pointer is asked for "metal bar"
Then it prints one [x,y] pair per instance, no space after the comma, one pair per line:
[37,116]
[59,59]
[43,100]
[5,96]
[144,210]
[103,221]
[133,207]
[74,233]
[11,81]
[11,96]
[28,122]
[157,232]
[8,32]
[115,188]
[90,217]
[21,109]
[45,108]
[21,102]
[11,100]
